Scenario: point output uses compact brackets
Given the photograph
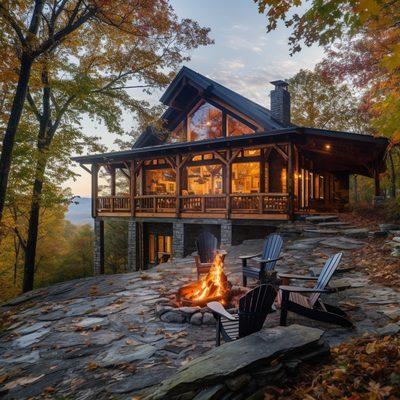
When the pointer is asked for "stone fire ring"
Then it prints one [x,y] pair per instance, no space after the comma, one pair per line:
[192,315]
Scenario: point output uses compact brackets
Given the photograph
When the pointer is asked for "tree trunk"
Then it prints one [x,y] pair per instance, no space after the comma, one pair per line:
[43,143]
[33,227]
[12,126]
[392,176]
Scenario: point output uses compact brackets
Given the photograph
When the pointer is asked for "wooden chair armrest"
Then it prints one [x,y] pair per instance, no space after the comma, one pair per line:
[267,260]
[300,277]
[204,264]
[219,309]
[250,256]
[300,289]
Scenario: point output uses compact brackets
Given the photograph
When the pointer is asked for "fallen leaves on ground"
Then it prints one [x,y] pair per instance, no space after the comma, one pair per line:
[366,368]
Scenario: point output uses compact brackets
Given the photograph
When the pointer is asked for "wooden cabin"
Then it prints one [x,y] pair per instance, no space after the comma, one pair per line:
[222,163]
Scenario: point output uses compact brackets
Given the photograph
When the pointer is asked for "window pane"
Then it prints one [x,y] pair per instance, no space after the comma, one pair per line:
[237,128]
[160,181]
[204,179]
[246,177]
[205,123]
[178,134]
[251,153]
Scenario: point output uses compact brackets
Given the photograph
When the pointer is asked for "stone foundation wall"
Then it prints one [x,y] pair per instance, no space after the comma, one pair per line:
[132,245]
[98,256]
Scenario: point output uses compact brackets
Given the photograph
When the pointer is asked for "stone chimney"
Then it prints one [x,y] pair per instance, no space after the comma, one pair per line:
[280,102]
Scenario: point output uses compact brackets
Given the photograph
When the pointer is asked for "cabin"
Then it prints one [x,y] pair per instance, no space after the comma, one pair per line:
[222,163]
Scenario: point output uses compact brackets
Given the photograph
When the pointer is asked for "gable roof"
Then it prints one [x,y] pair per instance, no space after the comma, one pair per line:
[255,111]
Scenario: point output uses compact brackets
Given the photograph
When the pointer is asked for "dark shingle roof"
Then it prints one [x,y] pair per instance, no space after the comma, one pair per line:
[248,107]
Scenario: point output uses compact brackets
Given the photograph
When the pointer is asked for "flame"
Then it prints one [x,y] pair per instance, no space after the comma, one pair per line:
[213,286]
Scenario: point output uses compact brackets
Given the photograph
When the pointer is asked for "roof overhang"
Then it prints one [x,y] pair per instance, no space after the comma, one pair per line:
[371,150]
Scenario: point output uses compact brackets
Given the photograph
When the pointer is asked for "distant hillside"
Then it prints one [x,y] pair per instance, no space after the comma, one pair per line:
[80,213]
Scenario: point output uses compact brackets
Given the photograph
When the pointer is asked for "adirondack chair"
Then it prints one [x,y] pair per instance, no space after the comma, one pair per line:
[253,309]
[207,247]
[292,298]
[266,260]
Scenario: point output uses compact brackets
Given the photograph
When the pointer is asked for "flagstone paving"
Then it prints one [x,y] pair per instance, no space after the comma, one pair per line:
[102,337]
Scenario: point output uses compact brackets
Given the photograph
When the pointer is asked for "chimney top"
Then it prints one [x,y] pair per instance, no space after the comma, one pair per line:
[280,102]
[280,83]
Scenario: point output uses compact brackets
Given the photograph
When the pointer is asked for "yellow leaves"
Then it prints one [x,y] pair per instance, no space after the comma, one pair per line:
[92,366]
[370,348]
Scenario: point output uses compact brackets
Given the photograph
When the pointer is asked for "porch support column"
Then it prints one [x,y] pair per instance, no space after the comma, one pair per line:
[378,198]
[178,236]
[98,261]
[226,233]
[112,180]
[132,266]
[290,180]
[95,173]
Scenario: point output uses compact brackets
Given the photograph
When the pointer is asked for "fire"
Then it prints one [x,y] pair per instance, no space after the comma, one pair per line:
[213,286]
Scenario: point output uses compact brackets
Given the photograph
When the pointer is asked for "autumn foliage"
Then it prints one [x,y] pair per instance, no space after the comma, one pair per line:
[367,368]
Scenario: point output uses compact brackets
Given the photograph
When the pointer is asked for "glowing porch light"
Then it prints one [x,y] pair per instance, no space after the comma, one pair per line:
[327,146]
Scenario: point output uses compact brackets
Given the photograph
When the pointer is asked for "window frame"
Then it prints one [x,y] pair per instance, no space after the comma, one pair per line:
[225,112]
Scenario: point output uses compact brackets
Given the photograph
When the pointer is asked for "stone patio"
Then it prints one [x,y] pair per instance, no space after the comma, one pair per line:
[102,337]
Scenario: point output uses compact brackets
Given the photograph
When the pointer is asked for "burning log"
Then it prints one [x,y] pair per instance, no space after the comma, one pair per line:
[211,287]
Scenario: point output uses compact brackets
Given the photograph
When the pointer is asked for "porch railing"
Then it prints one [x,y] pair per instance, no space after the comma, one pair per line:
[259,203]
[204,203]
[114,203]
[154,204]
[262,203]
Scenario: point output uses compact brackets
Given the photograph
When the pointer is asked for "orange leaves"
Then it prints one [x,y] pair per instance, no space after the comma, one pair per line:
[367,368]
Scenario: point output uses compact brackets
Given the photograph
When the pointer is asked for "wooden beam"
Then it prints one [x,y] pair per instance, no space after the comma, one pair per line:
[95,172]
[281,152]
[290,180]
[132,186]
[112,180]
[219,157]
[85,168]
[177,183]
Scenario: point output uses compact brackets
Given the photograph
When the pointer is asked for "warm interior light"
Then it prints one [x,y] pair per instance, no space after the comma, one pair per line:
[327,146]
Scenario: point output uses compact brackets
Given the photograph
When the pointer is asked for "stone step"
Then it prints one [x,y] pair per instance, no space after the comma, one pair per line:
[336,224]
[315,219]
[309,232]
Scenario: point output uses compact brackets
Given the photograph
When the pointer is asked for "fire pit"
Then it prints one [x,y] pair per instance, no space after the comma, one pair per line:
[211,287]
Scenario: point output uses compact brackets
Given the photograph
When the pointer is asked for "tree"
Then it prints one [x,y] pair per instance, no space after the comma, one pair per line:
[317,101]
[87,76]
[41,27]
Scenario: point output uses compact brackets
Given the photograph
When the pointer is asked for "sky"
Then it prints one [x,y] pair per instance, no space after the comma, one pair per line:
[245,58]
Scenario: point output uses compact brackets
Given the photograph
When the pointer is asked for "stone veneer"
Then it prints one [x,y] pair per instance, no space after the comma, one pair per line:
[132,245]
[98,256]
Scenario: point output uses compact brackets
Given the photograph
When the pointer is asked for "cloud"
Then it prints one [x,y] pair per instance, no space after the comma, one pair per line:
[254,82]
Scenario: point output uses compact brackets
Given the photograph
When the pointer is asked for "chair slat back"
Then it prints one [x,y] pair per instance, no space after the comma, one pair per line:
[254,307]
[325,276]
[272,249]
[207,246]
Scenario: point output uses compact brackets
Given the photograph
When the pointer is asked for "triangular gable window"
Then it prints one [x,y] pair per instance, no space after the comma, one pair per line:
[236,128]
[205,123]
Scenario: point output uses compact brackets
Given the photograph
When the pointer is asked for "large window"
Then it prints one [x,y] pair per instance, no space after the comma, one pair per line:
[204,179]
[236,128]
[160,181]
[246,177]
[205,123]
[178,134]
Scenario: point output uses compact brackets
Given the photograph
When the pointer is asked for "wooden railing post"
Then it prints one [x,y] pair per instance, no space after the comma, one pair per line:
[177,183]
[260,203]
[290,180]
[132,173]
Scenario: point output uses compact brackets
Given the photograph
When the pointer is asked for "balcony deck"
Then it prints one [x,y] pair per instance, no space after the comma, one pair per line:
[268,206]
